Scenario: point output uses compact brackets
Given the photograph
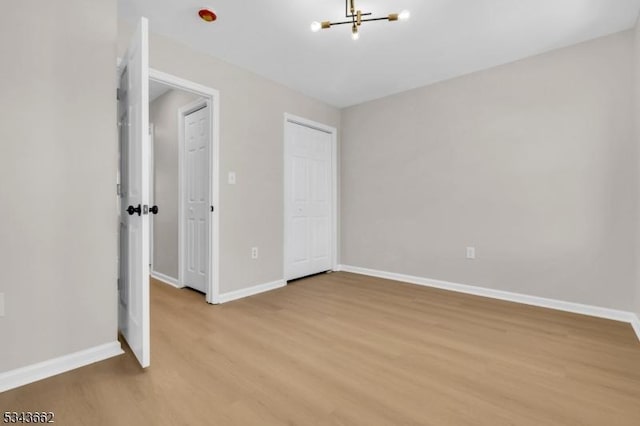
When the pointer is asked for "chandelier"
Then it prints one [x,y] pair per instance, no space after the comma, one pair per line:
[356,18]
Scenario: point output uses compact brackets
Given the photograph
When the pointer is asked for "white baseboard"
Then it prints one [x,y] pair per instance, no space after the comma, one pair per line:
[635,323]
[166,279]
[246,292]
[594,311]
[42,370]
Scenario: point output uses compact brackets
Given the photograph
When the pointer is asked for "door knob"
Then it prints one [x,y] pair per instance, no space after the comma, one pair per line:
[131,210]
[154,210]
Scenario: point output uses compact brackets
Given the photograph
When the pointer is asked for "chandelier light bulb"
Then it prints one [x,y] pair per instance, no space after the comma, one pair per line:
[315,26]
[355,35]
[404,15]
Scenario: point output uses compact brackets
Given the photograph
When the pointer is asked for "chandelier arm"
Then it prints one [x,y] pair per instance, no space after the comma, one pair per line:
[341,23]
[385,18]
[353,13]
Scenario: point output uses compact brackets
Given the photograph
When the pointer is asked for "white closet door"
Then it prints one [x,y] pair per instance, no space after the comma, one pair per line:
[196,203]
[308,205]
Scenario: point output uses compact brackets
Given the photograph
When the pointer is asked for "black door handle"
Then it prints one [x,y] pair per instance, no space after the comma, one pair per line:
[154,209]
[131,210]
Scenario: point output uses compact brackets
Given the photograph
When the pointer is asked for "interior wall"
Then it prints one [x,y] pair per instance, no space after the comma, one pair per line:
[532,163]
[58,163]
[163,113]
[252,112]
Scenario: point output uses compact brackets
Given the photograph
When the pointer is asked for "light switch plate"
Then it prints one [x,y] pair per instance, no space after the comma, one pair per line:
[471,252]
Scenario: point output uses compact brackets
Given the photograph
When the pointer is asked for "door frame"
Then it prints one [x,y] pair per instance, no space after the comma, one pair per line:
[152,189]
[183,112]
[212,98]
[294,119]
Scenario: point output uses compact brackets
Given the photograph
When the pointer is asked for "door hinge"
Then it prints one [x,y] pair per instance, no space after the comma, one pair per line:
[118,189]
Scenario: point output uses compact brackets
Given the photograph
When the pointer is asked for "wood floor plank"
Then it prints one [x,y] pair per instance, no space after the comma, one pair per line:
[344,349]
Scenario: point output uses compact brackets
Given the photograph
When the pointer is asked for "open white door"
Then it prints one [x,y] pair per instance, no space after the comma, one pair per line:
[133,118]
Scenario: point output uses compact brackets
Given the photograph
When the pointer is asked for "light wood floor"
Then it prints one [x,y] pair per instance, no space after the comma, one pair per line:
[342,349]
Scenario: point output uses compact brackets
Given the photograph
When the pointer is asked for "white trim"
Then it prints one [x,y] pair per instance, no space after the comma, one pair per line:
[290,118]
[166,279]
[152,190]
[635,323]
[213,98]
[578,308]
[42,370]
[181,83]
[250,291]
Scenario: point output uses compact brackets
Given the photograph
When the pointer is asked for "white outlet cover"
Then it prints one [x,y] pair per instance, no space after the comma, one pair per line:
[232,178]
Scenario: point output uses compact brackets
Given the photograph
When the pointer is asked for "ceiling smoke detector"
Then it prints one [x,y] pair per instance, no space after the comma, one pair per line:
[207,15]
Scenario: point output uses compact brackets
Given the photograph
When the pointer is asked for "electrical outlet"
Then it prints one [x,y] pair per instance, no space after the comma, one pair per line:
[1,304]
[254,252]
[471,252]
[232,178]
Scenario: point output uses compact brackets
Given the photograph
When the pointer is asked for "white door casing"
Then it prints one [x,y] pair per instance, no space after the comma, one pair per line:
[195,194]
[309,198]
[133,117]
[212,98]
[152,190]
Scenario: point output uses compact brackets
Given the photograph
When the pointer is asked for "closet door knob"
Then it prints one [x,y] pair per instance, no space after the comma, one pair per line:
[154,210]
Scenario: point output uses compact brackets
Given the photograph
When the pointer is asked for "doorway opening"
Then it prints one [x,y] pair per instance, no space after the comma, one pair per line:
[183,117]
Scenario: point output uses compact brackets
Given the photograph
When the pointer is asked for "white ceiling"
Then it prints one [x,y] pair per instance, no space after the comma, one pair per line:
[443,38]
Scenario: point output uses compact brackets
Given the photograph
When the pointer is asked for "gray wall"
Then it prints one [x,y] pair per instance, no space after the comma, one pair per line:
[163,113]
[58,162]
[251,144]
[533,163]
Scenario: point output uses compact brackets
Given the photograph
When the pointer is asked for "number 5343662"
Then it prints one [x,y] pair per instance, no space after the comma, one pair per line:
[28,417]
